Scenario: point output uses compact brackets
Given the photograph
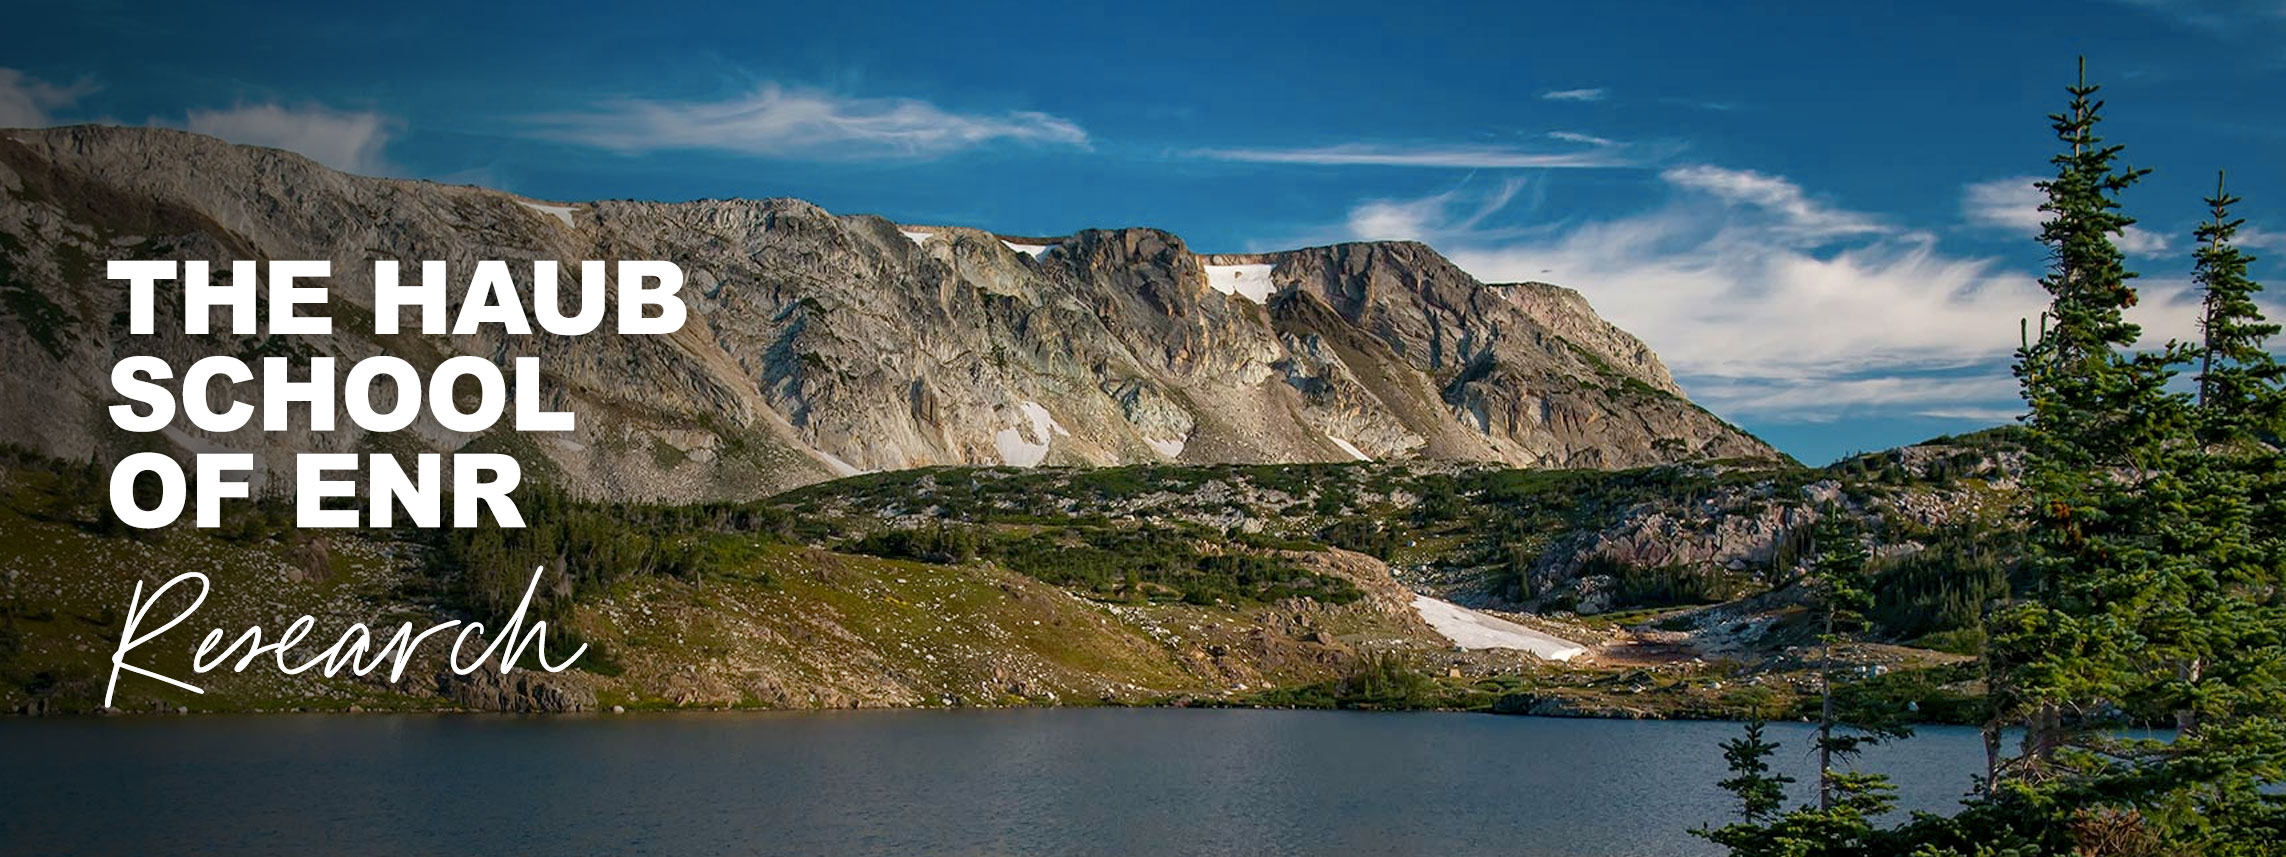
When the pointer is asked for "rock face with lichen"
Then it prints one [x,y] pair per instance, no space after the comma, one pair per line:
[821,345]
[521,691]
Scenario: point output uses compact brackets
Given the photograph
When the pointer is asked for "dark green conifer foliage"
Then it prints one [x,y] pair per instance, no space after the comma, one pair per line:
[2220,632]
[1842,820]
[2153,529]
[2100,419]
[1840,593]
[2238,379]
[1760,792]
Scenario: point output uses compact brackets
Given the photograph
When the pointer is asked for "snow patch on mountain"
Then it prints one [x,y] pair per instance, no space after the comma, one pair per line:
[559,212]
[1169,449]
[1470,629]
[1350,448]
[1018,448]
[1251,282]
[840,467]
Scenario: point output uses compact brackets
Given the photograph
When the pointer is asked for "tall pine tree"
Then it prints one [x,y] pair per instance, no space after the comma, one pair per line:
[2221,638]
[2238,379]
[2153,524]
[2099,421]
[2144,543]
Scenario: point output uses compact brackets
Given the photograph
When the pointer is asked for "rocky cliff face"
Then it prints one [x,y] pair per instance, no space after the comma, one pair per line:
[822,345]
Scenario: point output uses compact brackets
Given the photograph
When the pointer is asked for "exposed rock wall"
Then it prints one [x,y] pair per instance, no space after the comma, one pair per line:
[822,345]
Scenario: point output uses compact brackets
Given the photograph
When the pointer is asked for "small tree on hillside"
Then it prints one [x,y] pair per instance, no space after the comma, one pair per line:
[1840,594]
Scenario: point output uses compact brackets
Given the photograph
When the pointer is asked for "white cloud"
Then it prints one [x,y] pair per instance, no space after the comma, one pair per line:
[2013,205]
[1407,219]
[2138,241]
[1826,399]
[343,140]
[1745,300]
[350,141]
[29,102]
[775,121]
[1775,195]
[1468,157]
[1589,94]
[1769,304]
[1577,137]
[2260,239]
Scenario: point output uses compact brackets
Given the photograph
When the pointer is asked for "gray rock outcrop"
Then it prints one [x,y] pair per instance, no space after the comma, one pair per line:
[821,345]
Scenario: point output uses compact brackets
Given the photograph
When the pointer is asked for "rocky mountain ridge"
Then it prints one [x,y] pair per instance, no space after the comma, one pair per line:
[823,345]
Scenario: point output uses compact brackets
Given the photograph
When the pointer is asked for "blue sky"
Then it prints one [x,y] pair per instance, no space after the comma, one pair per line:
[1817,215]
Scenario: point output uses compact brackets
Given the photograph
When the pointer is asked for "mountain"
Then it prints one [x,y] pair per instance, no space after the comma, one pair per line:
[823,345]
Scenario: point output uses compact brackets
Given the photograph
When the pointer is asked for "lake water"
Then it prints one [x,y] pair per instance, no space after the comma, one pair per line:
[1061,782]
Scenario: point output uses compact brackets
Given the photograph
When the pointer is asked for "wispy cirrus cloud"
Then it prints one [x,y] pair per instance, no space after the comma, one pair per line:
[1769,302]
[1453,212]
[2013,204]
[1584,94]
[347,140]
[1584,139]
[1792,207]
[1463,157]
[2218,16]
[784,122]
[29,102]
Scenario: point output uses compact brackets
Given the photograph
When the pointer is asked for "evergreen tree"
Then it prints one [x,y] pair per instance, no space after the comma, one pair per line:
[2145,539]
[2238,379]
[1840,593]
[2222,634]
[2153,525]
[1841,828]
[2099,421]
[1759,791]
[1841,822]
